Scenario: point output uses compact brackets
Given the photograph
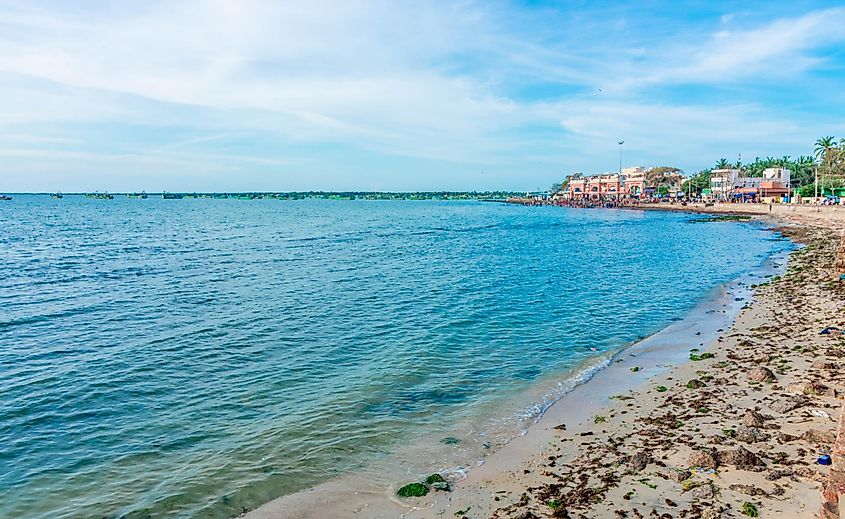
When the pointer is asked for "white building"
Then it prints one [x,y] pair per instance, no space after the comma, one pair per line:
[722,182]
[782,175]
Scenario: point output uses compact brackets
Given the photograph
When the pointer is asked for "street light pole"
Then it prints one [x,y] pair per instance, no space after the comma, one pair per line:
[619,178]
[620,157]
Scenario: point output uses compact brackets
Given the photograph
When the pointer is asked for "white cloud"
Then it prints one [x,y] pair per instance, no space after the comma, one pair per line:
[435,81]
[778,49]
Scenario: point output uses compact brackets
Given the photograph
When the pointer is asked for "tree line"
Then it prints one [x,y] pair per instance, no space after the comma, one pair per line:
[828,161]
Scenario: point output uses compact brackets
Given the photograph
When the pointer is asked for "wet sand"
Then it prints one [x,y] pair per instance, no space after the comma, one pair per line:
[675,437]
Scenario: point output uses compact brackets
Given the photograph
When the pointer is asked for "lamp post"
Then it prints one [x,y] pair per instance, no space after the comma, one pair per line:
[620,156]
[619,178]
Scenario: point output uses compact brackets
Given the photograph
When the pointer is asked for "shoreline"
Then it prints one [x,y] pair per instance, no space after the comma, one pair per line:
[529,484]
[335,499]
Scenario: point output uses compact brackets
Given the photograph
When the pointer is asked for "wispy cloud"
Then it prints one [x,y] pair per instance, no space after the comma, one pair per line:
[362,87]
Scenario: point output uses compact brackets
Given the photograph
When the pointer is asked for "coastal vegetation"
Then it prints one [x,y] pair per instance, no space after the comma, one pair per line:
[827,161]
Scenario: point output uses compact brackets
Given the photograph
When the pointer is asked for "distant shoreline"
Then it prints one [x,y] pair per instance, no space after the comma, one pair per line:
[484,196]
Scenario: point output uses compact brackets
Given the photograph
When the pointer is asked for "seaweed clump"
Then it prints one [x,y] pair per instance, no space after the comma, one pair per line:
[413,490]
[432,482]
[722,218]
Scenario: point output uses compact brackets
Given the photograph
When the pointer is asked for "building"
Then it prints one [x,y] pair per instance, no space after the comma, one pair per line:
[730,184]
[722,182]
[630,184]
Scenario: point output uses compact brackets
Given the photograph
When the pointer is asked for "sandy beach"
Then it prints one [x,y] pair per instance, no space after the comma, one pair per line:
[694,423]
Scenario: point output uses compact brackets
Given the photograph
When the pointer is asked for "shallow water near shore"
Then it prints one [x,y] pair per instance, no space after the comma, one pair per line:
[199,357]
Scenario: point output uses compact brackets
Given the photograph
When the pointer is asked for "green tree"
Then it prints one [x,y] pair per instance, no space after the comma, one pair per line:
[697,183]
[824,144]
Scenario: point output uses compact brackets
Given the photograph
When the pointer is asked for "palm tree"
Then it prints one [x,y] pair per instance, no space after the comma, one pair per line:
[803,171]
[824,144]
[723,164]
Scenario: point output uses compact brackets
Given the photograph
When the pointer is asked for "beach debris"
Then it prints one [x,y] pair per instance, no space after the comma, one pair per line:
[560,427]
[701,356]
[679,475]
[704,491]
[702,471]
[776,474]
[828,330]
[721,218]
[750,509]
[463,512]
[824,459]
[741,458]
[761,374]
[413,490]
[695,384]
[753,419]
[689,484]
[702,458]
[789,403]
[819,437]
[809,388]
[819,413]
[825,364]
[662,389]
[434,478]
[450,440]
[635,369]
[443,486]
[639,461]
[750,434]
[647,482]
[749,490]
[438,482]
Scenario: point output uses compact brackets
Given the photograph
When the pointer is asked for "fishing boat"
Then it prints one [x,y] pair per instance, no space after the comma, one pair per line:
[5,197]
[99,196]
[57,195]
[142,194]
[172,196]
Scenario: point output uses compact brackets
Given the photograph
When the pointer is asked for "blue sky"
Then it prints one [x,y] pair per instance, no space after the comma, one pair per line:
[385,95]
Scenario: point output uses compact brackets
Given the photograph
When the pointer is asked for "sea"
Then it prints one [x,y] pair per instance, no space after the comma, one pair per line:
[199,357]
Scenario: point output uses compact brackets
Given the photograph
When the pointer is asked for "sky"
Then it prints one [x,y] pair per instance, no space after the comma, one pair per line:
[275,95]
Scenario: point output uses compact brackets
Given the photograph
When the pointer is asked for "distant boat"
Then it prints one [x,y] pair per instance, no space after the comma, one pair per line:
[172,196]
[56,195]
[142,194]
[5,197]
[99,196]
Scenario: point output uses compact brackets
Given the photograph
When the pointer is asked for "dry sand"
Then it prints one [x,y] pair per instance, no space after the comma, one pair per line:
[702,439]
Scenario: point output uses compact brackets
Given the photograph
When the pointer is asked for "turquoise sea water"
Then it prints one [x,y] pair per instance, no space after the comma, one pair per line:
[194,358]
